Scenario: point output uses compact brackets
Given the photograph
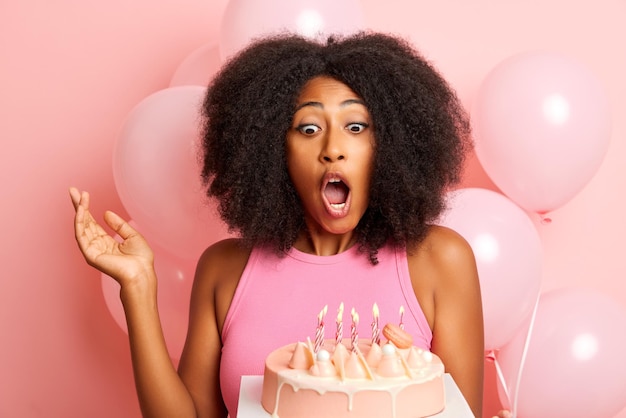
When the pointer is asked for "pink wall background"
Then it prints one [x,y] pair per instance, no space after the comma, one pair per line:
[71,71]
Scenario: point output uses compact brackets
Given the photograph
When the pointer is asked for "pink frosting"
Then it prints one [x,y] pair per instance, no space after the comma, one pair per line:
[323,367]
[354,367]
[374,355]
[390,363]
[415,359]
[302,358]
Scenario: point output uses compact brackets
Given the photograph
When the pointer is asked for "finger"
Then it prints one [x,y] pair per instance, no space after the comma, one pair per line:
[80,229]
[75,196]
[83,217]
[84,200]
[85,227]
[79,220]
[119,225]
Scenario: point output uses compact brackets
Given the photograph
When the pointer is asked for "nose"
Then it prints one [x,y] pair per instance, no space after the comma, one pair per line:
[332,150]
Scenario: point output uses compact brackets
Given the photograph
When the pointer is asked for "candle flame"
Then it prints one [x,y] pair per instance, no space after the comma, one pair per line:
[355,317]
[375,330]
[340,313]
[322,314]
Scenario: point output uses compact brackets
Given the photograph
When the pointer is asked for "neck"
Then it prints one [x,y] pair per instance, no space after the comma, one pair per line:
[324,243]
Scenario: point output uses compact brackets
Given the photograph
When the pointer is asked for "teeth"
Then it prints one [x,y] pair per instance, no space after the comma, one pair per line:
[337,205]
[334,181]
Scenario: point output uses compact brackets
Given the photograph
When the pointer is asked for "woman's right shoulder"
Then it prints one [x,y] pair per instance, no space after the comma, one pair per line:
[217,275]
[223,258]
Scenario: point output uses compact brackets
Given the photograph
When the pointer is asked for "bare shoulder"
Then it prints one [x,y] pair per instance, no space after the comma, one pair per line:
[442,245]
[445,280]
[217,276]
[222,257]
[219,270]
[443,259]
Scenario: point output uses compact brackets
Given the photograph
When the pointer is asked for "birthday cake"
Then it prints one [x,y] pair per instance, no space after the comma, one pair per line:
[349,378]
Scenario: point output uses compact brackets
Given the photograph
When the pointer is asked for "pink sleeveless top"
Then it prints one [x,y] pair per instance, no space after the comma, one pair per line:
[278,300]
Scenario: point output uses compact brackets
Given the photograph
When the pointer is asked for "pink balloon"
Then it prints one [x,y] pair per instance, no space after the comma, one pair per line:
[198,68]
[175,279]
[575,365]
[157,172]
[175,282]
[542,127]
[245,20]
[508,255]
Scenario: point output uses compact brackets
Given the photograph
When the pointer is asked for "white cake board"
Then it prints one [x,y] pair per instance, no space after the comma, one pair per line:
[251,387]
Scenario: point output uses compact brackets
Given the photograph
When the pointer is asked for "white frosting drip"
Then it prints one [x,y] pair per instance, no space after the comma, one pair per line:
[301,379]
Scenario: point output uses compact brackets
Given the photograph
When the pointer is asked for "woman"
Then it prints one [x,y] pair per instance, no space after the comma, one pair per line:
[331,161]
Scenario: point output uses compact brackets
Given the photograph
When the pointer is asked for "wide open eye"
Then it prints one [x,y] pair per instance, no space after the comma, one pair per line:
[356,127]
[308,129]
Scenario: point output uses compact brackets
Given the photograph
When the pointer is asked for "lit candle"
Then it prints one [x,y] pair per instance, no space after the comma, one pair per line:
[354,333]
[319,331]
[401,317]
[375,330]
[339,334]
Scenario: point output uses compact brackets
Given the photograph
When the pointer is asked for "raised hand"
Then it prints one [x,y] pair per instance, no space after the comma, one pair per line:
[127,261]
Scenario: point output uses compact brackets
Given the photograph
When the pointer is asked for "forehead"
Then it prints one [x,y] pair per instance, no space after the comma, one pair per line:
[325,89]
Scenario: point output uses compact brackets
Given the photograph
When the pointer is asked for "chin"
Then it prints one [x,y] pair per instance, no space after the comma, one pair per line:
[340,229]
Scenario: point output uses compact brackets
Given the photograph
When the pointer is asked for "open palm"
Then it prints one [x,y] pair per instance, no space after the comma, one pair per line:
[123,260]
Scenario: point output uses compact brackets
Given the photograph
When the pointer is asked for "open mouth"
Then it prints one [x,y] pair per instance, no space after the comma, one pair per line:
[336,193]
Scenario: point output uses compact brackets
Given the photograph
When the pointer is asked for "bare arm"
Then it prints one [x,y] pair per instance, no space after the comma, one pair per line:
[160,391]
[217,276]
[446,283]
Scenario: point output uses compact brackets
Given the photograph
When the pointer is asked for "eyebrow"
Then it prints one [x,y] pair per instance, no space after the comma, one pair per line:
[321,106]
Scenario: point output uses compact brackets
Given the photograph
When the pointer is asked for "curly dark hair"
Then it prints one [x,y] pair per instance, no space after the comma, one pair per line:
[421,130]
